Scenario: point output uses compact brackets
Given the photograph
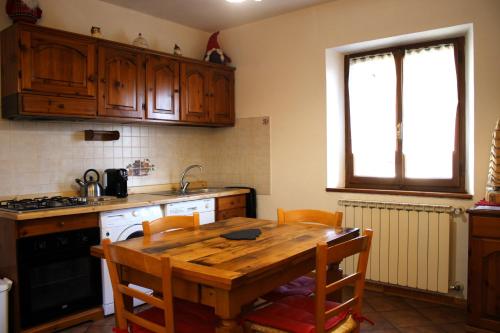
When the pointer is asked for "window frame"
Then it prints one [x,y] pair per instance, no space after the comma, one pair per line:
[399,183]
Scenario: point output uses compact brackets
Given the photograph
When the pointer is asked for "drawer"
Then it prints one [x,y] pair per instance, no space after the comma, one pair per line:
[483,226]
[59,105]
[228,213]
[231,202]
[52,225]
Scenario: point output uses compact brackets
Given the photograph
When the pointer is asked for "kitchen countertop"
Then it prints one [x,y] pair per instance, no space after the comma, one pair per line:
[132,201]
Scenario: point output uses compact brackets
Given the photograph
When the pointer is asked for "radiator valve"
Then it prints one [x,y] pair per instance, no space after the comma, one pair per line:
[457,286]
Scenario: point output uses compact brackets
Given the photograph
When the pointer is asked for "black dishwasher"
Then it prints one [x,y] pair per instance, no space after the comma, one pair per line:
[58,276]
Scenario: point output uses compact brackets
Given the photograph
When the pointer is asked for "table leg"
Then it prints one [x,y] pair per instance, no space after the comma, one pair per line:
[228,311]
[333,274]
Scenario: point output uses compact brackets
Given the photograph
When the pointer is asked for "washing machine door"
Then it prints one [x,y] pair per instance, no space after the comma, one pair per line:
[132,231]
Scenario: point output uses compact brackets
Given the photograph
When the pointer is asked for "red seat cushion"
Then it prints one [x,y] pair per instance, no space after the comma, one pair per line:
[188,318]
[293,314]
[303,286]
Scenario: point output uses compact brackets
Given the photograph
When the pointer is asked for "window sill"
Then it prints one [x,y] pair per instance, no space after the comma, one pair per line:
[464,196]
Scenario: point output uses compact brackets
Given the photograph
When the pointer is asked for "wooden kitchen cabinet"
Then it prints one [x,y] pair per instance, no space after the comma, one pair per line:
[121,82]
[49,73]
[231,206]
[195,83]
[222,85]
[162,88]
[483,301]
[207,94]
[57,64]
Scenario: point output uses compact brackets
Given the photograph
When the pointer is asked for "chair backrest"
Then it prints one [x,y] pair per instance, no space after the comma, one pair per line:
[333,219]
[326,255]
[170,222]
[116,258]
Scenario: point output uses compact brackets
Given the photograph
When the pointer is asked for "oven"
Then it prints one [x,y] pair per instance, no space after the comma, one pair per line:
[58,276]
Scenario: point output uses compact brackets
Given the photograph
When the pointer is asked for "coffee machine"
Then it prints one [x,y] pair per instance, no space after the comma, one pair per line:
[115,182]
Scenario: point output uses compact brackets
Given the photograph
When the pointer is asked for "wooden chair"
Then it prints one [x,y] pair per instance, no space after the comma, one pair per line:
[304,285]
[160,318]
[304,313]
[170,222]
[333,219]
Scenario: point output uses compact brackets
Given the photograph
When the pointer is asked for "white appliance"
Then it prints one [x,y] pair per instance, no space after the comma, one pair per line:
[205,207]
[121,225]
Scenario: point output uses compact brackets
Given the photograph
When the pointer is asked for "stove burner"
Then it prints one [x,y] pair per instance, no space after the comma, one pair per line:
[42,203]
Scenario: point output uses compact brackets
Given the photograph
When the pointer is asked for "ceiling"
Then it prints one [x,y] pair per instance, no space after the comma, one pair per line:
[213,15]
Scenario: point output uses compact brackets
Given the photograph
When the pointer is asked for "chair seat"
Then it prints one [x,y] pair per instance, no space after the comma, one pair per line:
[295,314]
[188,318]
[303,286]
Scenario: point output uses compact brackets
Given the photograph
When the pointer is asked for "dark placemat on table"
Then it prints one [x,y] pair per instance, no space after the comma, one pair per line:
[246,234]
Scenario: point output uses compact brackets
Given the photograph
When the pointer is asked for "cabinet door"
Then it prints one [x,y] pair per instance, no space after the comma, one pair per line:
[195,80]
[222,93]
[57,64]
[121,83]
[162,86]
[484,283]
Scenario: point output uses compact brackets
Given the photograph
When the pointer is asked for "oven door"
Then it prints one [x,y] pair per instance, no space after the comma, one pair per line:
[58,276]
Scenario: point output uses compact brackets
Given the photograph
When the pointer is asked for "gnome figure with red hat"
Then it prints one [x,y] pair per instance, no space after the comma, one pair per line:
[23,10]
[214,52]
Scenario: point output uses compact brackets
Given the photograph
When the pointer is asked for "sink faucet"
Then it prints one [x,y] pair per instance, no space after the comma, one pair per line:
[184,184]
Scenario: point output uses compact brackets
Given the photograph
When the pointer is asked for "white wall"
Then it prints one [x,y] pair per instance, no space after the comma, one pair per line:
[281,74]
[117,24]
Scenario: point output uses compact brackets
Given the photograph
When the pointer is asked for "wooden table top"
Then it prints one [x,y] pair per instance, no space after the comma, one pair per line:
[202,256]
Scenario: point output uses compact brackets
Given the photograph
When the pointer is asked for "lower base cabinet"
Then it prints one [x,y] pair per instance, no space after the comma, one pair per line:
[483,301]
[232,206]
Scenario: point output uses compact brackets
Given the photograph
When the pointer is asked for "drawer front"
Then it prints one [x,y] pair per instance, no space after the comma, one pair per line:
[52,225]
[483,226]
[59,105]
[228,213]
[231,202]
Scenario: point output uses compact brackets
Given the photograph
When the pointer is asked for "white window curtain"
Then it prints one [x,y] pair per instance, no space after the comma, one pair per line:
[430,101]
[372,109]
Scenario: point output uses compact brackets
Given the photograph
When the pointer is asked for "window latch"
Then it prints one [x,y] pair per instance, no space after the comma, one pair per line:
[399,130]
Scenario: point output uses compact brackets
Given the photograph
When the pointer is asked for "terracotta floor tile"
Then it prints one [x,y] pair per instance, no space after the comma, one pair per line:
[100,329]
[444,315]
[406,318]
[422,329]
[387,303]
[380,323]
[453,328]
[420,304]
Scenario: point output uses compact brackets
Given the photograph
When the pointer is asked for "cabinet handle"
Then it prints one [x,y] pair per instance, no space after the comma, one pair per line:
[118,84]
[91,78]
[61,224]
[103,81]
[176,91]
[61,106]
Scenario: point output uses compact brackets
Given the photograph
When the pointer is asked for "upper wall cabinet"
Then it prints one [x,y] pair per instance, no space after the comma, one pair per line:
[207,94]
[56,64]
[162,88]
[195,93]
[222,85]
[48,73]
[121,83]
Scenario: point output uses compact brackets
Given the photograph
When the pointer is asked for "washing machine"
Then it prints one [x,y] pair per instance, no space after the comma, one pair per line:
[119,225]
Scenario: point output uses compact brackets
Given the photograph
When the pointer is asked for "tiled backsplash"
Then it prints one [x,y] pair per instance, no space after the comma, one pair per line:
[46,156]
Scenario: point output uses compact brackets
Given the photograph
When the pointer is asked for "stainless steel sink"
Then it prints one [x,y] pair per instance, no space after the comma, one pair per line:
[190,192]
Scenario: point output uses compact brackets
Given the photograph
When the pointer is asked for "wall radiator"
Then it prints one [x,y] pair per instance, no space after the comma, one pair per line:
[411,242]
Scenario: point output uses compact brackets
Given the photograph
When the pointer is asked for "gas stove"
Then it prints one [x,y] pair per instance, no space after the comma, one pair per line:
[41,203]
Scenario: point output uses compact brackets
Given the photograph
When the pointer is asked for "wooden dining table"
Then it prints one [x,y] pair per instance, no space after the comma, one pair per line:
[230,274]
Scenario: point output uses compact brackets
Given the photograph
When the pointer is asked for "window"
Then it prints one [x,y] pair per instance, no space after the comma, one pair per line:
[405,116]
